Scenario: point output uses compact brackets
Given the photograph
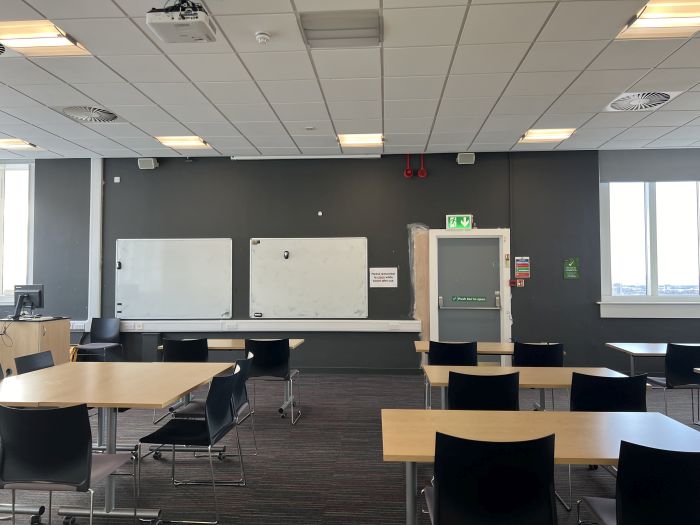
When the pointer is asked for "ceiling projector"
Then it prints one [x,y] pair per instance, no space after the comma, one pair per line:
[184,22]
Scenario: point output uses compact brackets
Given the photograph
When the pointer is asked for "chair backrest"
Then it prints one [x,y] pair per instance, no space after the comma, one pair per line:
[452,354]
[608,394]
[680,361]
[270,357]
[32,362]
[488,392]
[104,330]
[240,392]
[534,354]
[185,350]
[494,483]
[218,407]
[46,446]
[656,486]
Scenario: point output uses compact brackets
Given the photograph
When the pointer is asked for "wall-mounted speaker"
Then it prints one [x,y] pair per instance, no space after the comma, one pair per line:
[146,163]
[466,158]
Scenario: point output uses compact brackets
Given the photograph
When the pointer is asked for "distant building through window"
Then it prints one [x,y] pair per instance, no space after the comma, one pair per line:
[15,190]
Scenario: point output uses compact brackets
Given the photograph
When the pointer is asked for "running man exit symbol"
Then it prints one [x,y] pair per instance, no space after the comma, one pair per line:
[459,222]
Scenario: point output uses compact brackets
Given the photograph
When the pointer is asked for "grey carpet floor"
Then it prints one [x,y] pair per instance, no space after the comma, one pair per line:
[327,469]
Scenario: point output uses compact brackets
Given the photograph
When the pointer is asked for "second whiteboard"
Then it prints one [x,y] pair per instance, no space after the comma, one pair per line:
[322,278]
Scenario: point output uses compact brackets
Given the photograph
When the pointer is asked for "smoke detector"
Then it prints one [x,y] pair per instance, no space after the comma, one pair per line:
[89,114]
[262,38]
[645,101]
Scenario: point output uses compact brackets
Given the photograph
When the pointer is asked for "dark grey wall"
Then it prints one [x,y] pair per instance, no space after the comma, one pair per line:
[61,234]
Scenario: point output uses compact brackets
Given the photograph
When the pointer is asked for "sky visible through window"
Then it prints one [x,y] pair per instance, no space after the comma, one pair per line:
[15,227]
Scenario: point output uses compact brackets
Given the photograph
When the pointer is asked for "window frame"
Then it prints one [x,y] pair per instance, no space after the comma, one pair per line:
[650,305]
[8,299]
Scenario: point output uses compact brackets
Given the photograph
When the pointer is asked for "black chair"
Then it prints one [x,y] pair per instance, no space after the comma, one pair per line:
[608,394]
[271,363]
[492,483]
[452,354]
[539,355]
[51,450]
[487,392]
[219,420]
[185,350]
[653,486]
[32,362]
[679,364]
[105,341]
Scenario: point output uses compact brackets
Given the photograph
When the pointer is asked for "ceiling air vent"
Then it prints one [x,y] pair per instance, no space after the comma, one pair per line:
[89,114]
[340,29]
[640,101]
[2,49]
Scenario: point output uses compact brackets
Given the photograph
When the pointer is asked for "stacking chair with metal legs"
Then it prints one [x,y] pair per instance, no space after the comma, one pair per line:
[539,355]
[653,486]
[271,363]
[448,354]
[679,364]
[104,341]
[32,362]
[50,450]
[219,420]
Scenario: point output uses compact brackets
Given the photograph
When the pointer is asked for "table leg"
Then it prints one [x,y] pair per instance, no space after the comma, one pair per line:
[543,399]
[411,488]
[631,365]
[443,397]
[426,386]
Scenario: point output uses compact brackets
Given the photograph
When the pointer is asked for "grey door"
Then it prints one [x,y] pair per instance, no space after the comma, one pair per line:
[469,302]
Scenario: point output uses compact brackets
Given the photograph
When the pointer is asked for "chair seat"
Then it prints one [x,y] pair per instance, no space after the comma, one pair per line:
[180,432]
[192,410]
[429,493]
[661,381]
[604,510]
[98,346]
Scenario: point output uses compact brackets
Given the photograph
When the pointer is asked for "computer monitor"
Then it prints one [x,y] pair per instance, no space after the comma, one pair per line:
[28,296]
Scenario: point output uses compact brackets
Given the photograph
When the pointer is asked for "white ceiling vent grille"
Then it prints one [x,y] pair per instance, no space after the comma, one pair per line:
[339,29]
[640,101]
[2,49]
[89,114]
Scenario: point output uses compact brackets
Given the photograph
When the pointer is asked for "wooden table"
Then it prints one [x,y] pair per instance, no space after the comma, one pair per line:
[238,344]
[635,350]
[582,438]
[481,348]
[108,386]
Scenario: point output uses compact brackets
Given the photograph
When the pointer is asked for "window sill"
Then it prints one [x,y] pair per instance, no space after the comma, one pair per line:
[650,310]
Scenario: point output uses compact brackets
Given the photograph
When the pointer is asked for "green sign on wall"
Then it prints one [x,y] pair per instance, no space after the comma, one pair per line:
[572,268]
[459,222]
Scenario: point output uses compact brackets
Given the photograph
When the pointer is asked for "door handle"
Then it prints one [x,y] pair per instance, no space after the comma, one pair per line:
[441,303]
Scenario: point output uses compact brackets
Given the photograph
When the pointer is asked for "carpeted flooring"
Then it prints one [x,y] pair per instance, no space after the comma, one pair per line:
[328,469]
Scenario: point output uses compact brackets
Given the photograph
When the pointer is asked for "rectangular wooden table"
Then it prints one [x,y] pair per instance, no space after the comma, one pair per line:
[108,386]
[482,348]
[635,350]
[238,344]
[582,438]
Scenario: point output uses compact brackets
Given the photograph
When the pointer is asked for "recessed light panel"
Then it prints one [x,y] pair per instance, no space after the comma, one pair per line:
[547,135]
[664,19]
[39,38]
[361,140]
[190,142]
[15,144]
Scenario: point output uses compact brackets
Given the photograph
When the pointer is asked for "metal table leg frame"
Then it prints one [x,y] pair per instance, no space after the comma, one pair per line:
[290,400]
[28,510]
[566,505]
[411,489]
[443,397]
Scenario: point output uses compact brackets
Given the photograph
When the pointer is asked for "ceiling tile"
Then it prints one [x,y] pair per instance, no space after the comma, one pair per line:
[248,112]
[417,61]
[490,24]
[583,20]
[483,85]
[456,125]
[583,143]
[227,7]
[139,142]
[408,125]
[466,107]
[358,125]
[117,130]
[636,54]
[367,109]
[117,94]
[615,120]
[399,149]
[406,139]
[334,5]
[229,142]
[685,102]
[109,36]
[272,141]
[211,68]
[561,56]
[644,133]
[142,68]
[347,63]
[498,137]
[232,92]
[464,137]
[10,98]
[352,89]
[78,69]
[612,81]
[433,26]
[38,115]
[283,30]
[488,58]
[562,121]
[668,118]
[279,151]
[164,129]
[668,80]
[684,132]
[213,129]
[76,9]
[410,108]
[603,134]
[323,141]
[393,4]
[301,111]
[671,143]
[686,56]
[485,147]
[204,112]
[412,87]
[321,151]
[540,83]
[310,128]
[289,65]
[543,146]
[54,95]
[624,144]
[220,45]
[517,124]
[17,10]
[22,71]
[280,91]
[150,113]
[261,128]
[584,103]
[523,105]
[158,152]
[172,93]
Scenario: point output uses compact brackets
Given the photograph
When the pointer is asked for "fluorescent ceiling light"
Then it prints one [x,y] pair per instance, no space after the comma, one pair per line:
[39,38]
[547,135]
[664,19]
[304,157]
[184,142]
[15,144]
[361,140]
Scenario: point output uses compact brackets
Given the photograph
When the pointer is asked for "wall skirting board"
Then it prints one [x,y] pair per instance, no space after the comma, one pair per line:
[272,325]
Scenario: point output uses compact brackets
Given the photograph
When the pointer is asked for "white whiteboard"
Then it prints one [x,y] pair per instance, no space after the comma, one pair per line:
[324,278]
[174,279]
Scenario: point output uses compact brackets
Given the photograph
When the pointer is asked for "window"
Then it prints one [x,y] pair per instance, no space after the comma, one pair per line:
[15,189]
[650,243]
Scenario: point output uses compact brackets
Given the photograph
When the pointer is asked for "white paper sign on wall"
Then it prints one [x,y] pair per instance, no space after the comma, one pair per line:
[383,277]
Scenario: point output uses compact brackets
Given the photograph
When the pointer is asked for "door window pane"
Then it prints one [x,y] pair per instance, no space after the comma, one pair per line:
[677,237]
[628,247]
[15,227]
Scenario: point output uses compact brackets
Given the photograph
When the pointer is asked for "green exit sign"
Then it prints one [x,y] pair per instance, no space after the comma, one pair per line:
[459,222]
